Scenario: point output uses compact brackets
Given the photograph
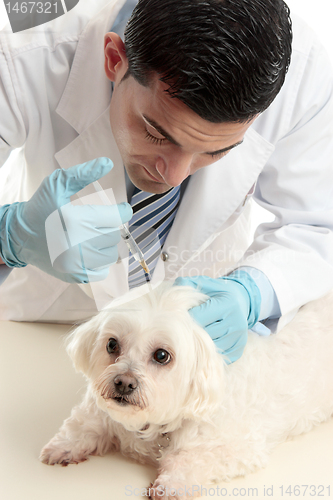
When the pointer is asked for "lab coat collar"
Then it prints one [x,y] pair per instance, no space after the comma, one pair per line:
[85,98]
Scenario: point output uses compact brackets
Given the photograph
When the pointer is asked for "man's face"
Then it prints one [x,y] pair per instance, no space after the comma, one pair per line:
[160,139]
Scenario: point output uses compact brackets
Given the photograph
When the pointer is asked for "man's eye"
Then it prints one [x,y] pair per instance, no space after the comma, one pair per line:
[218,155]
[154,139]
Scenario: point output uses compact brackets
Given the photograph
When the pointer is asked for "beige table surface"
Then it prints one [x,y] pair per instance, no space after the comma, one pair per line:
[38,388]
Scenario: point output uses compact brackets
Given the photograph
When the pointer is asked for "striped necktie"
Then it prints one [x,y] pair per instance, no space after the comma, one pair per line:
[153,215]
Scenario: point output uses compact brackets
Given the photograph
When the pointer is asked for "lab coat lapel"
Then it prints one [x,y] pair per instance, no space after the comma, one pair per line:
[85,106]
[218,190]
[98,141]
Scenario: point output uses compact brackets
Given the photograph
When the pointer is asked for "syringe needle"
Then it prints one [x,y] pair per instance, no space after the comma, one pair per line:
[134,249]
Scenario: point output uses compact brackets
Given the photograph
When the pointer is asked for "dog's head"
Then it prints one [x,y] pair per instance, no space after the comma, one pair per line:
[148,362]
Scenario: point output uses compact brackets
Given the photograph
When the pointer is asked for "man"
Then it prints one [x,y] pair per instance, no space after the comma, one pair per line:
[200,99]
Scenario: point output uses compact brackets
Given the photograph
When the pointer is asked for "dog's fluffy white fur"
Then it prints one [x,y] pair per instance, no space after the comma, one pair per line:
[221,420]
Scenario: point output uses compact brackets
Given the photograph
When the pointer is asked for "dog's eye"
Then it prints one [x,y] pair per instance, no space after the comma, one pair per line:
[162,356]
[112,346]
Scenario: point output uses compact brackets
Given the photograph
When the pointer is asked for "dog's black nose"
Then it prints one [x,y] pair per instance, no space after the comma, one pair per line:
[125,384]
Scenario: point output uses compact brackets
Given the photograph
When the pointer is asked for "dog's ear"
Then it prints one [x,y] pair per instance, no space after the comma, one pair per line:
[207,386]
[80,344]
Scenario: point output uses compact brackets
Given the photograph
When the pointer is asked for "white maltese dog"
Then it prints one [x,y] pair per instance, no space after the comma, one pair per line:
[159,392]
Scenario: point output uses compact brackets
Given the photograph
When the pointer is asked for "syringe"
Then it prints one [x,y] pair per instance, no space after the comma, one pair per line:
[125,234]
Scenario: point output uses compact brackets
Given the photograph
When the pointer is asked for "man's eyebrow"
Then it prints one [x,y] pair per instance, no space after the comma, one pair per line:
[161,131]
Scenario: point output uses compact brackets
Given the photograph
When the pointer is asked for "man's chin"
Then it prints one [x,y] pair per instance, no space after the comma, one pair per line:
[154,188]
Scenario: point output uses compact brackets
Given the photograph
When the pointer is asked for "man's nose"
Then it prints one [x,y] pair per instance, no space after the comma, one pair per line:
[174,169]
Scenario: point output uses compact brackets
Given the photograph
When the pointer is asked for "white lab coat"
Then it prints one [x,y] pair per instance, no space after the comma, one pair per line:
[54,100]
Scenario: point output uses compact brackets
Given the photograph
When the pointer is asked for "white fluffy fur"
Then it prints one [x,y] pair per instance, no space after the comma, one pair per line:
[223,420]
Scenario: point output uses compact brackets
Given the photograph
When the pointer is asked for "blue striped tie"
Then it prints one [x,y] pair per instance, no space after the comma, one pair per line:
[153,215]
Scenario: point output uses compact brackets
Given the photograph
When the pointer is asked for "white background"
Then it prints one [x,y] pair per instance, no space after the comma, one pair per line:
[317,13]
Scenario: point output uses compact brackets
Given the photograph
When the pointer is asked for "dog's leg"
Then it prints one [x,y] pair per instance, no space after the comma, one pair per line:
[86,432]
[186,473]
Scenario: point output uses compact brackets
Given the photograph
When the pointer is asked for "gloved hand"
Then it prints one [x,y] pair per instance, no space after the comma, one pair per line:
[233,307]
[88,246]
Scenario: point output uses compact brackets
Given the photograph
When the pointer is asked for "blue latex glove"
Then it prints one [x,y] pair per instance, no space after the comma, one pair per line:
[232,309]
[90,237]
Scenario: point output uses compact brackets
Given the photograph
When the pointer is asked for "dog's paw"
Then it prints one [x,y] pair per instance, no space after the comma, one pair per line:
[169,488]
[61,452]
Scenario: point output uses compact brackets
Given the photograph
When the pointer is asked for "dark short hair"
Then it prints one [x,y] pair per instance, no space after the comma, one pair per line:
[225,59]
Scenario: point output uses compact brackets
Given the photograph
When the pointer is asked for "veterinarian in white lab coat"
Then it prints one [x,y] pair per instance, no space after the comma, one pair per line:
[54,102]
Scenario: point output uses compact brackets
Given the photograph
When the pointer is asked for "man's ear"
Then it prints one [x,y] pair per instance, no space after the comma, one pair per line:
[116,62]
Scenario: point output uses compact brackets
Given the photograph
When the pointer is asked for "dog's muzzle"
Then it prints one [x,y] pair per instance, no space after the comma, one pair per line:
[124,389]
